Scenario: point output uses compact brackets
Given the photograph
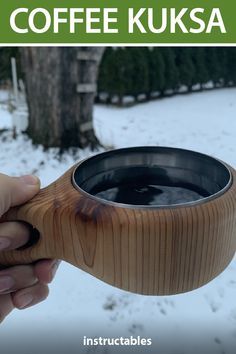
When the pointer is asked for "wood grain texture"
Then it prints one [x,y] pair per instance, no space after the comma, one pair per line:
[146,251]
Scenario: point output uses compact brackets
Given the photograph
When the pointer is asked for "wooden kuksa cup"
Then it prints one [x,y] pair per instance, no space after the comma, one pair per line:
[165,225]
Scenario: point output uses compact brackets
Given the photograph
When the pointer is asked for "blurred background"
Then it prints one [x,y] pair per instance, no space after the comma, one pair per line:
[59,105]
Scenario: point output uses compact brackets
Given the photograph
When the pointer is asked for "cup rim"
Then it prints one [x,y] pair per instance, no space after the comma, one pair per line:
[108,153]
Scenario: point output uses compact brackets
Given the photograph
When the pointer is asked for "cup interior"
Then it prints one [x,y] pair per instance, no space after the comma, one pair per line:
[152,177]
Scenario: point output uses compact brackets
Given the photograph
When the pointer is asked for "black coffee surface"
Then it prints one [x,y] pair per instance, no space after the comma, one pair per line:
[149,194]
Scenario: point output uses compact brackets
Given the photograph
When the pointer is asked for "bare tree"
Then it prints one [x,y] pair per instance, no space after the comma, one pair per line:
[61,87]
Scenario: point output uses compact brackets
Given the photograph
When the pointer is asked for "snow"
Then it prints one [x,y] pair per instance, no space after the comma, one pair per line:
[79,305]
[205,122]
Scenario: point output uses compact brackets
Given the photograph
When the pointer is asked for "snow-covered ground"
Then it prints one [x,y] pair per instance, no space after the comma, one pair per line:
[202,321]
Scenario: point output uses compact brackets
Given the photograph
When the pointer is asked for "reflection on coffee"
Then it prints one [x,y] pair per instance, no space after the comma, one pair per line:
[149,194]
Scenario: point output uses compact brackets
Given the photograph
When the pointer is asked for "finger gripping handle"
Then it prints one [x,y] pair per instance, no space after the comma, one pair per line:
[50,213]
[33,250]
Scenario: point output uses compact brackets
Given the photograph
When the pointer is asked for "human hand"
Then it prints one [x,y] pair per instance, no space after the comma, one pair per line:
[25,285]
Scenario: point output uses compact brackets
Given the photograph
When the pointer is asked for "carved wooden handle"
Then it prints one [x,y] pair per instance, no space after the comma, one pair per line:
[147,251]
[45,212]
[67,222]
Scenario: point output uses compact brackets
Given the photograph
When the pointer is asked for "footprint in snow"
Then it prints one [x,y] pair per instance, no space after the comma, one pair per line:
[136,328]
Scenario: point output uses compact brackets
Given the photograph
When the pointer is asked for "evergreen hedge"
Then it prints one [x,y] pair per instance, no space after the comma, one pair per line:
[131,71]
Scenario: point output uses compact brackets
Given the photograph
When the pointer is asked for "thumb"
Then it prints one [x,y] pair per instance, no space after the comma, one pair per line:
[16,190]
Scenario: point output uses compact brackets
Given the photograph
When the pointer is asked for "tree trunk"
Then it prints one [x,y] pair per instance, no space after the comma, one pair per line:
[61,87]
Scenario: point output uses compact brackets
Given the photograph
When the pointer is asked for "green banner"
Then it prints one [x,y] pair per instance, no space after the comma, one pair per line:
[119,22]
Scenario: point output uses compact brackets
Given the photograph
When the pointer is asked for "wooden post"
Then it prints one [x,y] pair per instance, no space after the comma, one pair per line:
[14,79]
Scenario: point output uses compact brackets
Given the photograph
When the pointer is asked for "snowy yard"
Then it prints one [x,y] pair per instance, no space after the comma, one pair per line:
[79,305]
